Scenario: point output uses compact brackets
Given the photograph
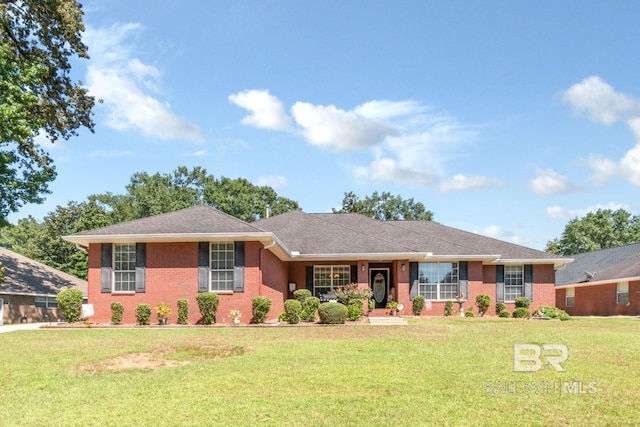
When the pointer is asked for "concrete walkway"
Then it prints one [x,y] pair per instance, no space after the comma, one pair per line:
[20,327]
[387,321]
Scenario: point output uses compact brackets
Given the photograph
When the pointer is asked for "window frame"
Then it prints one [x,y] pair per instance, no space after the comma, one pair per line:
[131,255]
[334,269]
[625,292]
[510,278]
[570,297]
[228,272]
[425,288]
[49,302]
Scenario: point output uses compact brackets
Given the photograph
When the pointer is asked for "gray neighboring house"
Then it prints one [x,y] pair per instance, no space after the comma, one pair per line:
[28,293]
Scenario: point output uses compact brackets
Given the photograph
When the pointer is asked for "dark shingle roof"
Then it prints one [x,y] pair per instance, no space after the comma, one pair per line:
[607,264]
[26,276]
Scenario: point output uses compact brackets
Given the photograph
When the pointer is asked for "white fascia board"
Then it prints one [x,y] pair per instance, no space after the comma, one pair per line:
[599,282]
[177,237]
[403,256]
[557,262]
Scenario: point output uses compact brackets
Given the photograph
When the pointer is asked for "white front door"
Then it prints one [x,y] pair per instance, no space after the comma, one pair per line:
[1,311]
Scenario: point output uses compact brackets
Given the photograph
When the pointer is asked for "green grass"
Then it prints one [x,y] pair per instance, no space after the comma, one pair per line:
[433,372]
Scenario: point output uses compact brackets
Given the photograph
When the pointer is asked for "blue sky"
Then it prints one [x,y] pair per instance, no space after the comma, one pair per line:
[504,118]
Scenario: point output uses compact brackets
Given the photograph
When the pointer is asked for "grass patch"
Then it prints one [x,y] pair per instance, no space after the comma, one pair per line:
[434,371]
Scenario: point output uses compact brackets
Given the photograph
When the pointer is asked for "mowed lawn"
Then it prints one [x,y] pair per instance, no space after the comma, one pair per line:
[433,372]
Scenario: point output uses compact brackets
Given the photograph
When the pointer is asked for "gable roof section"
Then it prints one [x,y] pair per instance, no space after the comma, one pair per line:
[606,265]
[190,224]
[24,276]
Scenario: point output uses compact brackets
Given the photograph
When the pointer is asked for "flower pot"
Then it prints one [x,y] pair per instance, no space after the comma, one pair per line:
[236,320]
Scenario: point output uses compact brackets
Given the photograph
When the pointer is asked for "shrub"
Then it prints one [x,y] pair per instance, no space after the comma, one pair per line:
[483,302]
[469,312]
[521,313]
[282,317]
[260,307]
[500,307]
[292,308]
[346,294]
[208,305]
[163,311]
[301,295]
[309,308]
[355,310]
[70,304]
[418,305]
[183,312]
[523,302]
[551,312]
[504,313]
[332,313]
[448,308]
[143,314]
[117,310]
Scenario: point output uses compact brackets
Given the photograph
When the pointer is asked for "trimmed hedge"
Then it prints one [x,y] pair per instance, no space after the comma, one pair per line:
[309,309]
[332,313]
[469,312]
[143,314]
[355,310]
[448,308]
[117,310]
[260,307]
[292,309]
[208,305]
[500,307]
[483,302]
[183,312]
[70,304]
[521,313]
[504,313]
[523,302]
[418,305]
[301,295]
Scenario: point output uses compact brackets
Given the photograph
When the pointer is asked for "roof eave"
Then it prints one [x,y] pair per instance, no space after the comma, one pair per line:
[599,282]
[169,237]
[557,262]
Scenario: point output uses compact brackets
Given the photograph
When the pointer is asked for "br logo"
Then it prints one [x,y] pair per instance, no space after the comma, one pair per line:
[529,357]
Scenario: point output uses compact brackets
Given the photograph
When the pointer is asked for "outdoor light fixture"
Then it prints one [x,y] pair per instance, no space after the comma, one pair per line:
[403,267]
[362,267]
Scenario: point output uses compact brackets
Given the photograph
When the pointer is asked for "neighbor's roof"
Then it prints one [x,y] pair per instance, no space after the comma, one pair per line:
[605,265]
[300,235]
[24,276]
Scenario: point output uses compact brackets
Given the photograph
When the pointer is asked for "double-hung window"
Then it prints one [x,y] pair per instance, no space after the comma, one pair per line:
[622,293]
[124,268]
[46,302]
[513,282]
[326,278]
[570,297]
[222,254]
[438,280]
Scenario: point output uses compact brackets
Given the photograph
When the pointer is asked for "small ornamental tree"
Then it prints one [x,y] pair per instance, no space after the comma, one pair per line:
[183,312]
[260,307]
[418,305]
[483,302]
[208,305]
[117,310]
[70,303]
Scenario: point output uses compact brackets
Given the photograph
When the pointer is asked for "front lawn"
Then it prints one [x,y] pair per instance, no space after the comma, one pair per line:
[432,372]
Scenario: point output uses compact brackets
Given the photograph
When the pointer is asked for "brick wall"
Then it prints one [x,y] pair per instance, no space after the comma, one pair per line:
[21,308]
[600,300]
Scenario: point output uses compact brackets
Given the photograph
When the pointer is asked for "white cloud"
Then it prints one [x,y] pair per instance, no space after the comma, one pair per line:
[558,212]
[129,87]
[601,102]
[388,170]
[267,111]
[549,182]
[199,153]
[603,169]
[466,182]
[382,110]
[273,181]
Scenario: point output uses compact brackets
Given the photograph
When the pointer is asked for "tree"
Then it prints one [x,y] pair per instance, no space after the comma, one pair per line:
[602,229]
[384,207]
[37,41]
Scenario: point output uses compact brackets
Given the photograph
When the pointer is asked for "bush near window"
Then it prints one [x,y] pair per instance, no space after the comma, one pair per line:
[309,309]
[143,313]
[418,305]
[504,313]
[183,312]
[292,309]
[500,307]
[301,295]
[117,310]
[448,308]
[260,307]
[551,312]
[332,313]
[70,304]
[483,302]
[523,302]
[208,305]
[521,313]
[469,312]
[355,310]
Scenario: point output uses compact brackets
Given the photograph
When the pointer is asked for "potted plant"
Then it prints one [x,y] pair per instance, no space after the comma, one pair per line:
[393,307]
[235,315]
[163,311]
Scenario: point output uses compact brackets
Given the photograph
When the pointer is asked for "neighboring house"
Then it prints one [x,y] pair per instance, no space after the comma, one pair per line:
[28,293]
[175,255]
[601,283]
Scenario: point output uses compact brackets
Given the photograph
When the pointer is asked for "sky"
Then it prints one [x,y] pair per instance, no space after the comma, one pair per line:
[504,118]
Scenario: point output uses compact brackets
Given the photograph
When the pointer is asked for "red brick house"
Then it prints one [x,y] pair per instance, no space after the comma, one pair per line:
[175,255]
[601,283]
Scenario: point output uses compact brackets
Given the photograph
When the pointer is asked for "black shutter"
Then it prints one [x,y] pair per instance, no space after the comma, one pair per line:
[413,280]
[463,279]
[141,266]
[309,278]
[500,283]
[203,266]
[105,264]
[528,281]
[238,267]
[354,274]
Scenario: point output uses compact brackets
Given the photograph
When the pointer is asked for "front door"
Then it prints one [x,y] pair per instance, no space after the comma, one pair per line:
[379,283]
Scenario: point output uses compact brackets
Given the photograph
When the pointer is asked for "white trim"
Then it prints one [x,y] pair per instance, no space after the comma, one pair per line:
[599,282]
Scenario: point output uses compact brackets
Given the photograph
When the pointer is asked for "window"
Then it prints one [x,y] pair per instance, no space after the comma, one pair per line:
[571,297]
[438,280]
[513,282]
[46,302]
[328,277]
[124,268]
[222,266]
[622,293]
